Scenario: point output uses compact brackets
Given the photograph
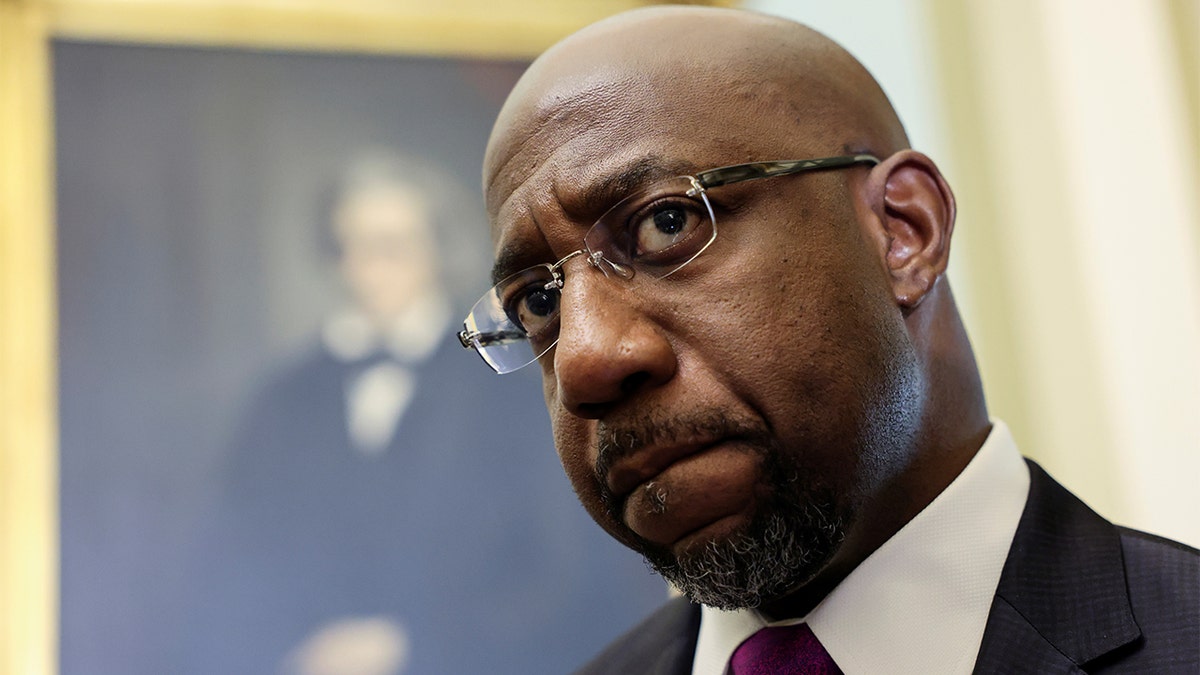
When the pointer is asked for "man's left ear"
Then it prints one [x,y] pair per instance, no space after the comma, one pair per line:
[916,214]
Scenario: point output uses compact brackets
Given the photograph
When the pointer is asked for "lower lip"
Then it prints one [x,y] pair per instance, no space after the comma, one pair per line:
[706,496]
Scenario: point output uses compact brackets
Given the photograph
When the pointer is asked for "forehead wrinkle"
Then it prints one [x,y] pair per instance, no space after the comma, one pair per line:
[600,194]
[537,114]
[493,175]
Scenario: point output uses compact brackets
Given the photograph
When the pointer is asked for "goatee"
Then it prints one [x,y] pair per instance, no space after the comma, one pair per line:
[794,532]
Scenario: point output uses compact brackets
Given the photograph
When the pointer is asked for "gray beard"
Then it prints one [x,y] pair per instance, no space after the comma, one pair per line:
[781,549]
[797,529]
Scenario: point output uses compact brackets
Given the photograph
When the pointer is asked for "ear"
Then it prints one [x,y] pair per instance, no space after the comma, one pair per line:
[916,215]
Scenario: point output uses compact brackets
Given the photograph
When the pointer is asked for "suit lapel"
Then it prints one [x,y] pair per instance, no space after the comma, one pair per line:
[663,644]
[678,653]
[1061,601]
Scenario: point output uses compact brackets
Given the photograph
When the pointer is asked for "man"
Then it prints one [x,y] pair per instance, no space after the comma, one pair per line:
[758,378]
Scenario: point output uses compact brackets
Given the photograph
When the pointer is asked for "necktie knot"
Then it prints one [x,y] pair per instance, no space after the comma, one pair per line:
[783,650]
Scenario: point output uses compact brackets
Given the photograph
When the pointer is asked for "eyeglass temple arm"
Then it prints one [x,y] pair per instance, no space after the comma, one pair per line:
[477,340]
[741,172]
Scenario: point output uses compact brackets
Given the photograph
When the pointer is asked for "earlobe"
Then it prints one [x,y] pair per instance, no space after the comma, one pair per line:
[917,220]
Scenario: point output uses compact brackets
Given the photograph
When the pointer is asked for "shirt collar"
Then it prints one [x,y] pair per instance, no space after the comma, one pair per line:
[409,337]
[919,603]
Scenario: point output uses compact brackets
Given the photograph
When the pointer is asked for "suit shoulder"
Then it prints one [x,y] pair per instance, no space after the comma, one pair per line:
[1086,593]
[1163,568]
[664,642]
[1164,583]
[1140,544]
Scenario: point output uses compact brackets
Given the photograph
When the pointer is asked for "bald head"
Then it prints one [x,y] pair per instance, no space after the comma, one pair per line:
[677,62]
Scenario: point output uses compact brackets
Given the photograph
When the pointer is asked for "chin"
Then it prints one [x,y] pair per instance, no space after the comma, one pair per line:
[780,549]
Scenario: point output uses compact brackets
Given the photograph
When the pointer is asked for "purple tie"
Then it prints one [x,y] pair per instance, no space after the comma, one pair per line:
[783,650]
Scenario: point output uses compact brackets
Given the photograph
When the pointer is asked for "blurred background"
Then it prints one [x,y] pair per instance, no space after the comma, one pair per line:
[234,236]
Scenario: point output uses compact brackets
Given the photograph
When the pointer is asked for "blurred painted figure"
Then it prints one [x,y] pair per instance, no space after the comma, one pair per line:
[389,508]
[398,311]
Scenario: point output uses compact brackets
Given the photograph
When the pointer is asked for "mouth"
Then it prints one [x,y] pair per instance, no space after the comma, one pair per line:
[644,465]
[676,496]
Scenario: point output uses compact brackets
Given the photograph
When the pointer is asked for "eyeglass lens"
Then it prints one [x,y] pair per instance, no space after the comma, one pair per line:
[653,233]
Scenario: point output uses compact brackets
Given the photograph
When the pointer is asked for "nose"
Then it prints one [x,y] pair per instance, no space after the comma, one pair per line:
[608,348]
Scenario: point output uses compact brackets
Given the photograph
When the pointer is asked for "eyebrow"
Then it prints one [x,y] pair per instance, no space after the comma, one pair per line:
[510,259]
[592,202]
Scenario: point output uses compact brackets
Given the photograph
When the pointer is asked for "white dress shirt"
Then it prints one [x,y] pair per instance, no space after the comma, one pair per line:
[377,397]
[919,603]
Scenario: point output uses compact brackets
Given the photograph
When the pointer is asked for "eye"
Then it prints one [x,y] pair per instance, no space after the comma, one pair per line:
[533,308]
[658,231]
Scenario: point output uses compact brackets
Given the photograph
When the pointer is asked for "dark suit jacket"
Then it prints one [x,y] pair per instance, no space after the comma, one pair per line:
[1077,595]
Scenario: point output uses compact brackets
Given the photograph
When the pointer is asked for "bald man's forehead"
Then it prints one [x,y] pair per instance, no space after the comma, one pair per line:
[570,126]
[607,71]
[737,86]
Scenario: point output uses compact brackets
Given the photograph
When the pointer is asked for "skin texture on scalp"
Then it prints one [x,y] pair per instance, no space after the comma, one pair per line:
[801,390]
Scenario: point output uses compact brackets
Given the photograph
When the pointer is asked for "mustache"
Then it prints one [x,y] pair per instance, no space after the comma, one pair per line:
[619,440]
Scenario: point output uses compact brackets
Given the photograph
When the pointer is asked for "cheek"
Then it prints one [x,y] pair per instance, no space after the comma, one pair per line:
[803,333]
[574,442]
[770,321]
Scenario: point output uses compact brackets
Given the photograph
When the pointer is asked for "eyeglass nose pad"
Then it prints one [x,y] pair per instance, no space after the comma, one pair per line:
[597,260]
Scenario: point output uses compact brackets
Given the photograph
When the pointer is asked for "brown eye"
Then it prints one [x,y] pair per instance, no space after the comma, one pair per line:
[664,225]
[533,308]
[654,231]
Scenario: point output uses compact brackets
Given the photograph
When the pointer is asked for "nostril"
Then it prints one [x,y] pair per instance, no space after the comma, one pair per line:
[634,381]
[597,409]
[591,411]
